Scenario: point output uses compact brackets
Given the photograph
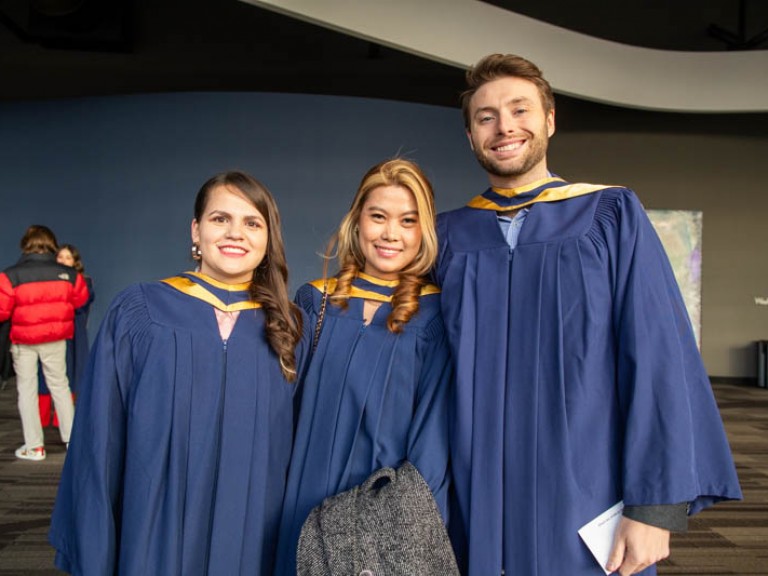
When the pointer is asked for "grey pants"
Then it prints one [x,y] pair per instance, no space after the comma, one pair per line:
[53,357]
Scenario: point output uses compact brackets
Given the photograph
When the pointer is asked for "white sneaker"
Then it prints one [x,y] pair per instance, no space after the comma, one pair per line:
[36,454]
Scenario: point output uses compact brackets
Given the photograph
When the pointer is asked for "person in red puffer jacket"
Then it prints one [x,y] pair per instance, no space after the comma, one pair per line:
[40,296]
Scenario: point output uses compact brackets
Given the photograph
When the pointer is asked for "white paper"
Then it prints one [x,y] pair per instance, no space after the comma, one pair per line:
[598,533]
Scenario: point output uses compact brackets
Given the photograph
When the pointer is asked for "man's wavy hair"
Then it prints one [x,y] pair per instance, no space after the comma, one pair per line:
[346,241]
[495,66]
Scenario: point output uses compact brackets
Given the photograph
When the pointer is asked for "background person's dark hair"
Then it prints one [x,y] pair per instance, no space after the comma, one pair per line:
[38,239]
[269,285]
[78,264]
[495,66]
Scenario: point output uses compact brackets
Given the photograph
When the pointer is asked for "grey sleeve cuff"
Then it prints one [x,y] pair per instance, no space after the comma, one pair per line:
[672,517]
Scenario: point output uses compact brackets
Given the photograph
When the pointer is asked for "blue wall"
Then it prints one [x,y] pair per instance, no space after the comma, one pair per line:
[117,176]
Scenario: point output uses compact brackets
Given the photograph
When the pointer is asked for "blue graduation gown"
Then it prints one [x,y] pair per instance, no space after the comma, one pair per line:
[181,441]
[77,349]
[371,399]
[579,383]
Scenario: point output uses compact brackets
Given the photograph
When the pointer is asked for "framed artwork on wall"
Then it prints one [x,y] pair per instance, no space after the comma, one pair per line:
[680,233]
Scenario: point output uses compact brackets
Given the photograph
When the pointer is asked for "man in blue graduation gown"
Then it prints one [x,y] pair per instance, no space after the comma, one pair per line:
[579,382]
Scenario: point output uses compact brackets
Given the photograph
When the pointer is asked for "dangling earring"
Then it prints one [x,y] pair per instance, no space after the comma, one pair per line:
[197,254]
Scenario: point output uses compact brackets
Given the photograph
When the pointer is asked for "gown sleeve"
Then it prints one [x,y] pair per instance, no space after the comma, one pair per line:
[304,300]
[428,435]
[675,447]
[308,299]
[303,353]
[86,519]
[91,295]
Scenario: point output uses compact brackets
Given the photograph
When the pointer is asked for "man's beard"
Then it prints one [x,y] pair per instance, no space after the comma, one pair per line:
[536,153]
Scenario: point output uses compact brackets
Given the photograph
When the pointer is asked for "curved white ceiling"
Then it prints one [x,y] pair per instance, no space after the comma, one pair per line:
[460,32]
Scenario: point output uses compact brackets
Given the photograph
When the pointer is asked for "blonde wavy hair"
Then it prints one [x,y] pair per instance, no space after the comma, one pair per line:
[345,244]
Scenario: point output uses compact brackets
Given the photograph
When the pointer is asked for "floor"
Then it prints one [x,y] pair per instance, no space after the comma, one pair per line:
[730,538]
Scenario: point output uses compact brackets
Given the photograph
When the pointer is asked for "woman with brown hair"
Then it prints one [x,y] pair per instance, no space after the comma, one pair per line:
[77,349]
[376,390]
[185,418]
[77,346]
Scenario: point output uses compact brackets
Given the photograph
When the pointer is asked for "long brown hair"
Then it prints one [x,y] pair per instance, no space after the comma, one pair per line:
[346,241]
[269,285]
[78,261]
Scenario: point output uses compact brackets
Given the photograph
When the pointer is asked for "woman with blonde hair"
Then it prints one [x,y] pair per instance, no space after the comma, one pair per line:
[376,390]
